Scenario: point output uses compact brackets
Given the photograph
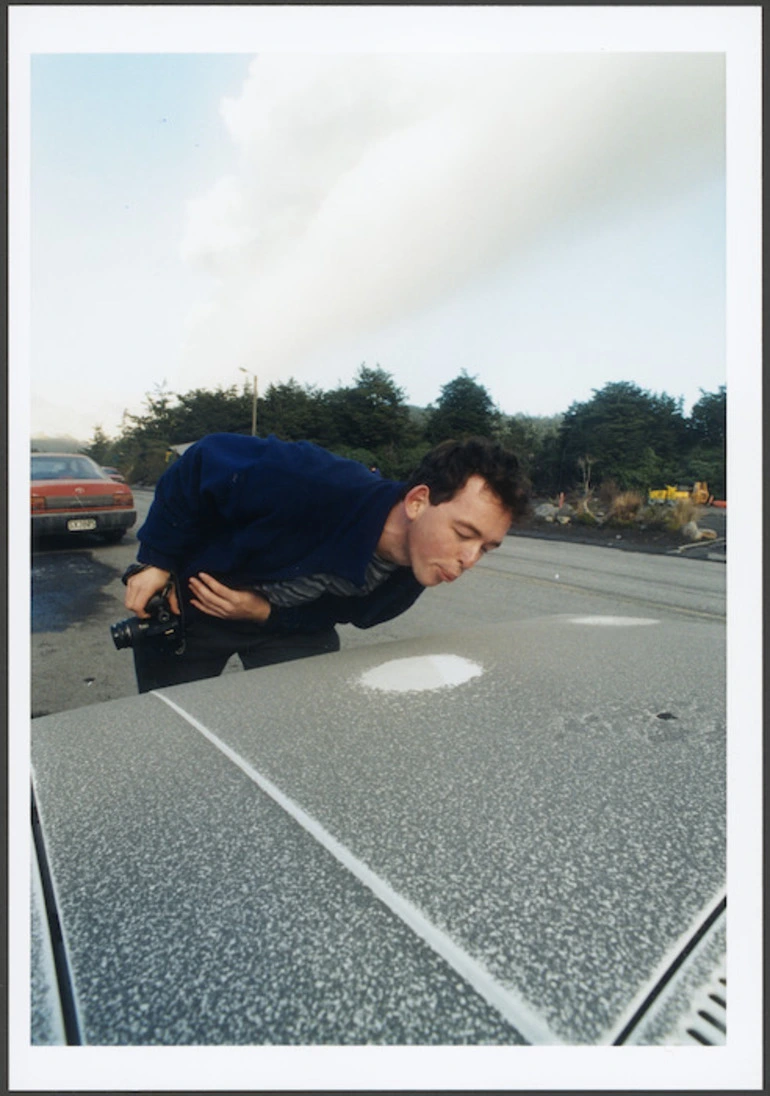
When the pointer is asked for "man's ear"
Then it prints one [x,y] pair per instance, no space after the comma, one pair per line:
[417,500]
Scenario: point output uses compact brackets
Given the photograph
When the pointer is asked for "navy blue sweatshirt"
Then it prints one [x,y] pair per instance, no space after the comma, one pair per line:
[249,510]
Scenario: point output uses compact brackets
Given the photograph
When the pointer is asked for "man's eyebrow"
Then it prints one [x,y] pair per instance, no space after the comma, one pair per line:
[477,532]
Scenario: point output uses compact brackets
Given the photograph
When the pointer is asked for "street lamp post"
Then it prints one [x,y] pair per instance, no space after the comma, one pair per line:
[253,402]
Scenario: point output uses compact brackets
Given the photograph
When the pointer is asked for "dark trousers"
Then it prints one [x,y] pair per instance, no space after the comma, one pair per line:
[210,642]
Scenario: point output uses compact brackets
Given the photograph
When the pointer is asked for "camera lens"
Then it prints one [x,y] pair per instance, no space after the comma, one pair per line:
[162,627]
[122,634]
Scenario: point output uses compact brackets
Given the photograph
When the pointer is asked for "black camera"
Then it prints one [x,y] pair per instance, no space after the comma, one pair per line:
[163,626]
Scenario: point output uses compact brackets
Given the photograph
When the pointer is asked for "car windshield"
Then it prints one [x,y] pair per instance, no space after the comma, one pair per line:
[78,468]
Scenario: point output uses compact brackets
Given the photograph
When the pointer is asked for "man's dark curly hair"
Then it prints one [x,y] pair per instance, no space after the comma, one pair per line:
[447,468]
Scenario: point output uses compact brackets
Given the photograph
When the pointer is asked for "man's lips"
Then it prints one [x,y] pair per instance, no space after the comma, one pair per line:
[446,576]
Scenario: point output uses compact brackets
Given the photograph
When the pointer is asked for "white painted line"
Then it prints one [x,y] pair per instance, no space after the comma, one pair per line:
[510,1006]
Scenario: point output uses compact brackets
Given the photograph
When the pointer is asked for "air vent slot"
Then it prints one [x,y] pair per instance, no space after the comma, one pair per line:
[706,1023]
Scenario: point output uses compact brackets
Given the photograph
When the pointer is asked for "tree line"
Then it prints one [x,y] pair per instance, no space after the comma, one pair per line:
[623,436]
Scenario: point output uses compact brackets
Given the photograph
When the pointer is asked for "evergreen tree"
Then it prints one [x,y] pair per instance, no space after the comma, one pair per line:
[464,408]
[632,436]
[160,416]
[371,414]
[707,430]
[201,411]
[535,440]
[99,448]
[708,419]
[294,412]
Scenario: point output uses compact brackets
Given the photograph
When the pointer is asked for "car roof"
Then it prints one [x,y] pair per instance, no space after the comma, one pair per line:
[311,853]
[59,456]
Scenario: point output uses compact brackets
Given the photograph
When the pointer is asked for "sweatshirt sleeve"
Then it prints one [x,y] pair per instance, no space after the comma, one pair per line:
[385,602]
[191,500]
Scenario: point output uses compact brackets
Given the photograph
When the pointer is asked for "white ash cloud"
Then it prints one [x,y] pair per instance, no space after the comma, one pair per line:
[372,186]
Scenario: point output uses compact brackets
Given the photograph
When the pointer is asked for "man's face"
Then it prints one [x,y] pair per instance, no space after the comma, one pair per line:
[445,540]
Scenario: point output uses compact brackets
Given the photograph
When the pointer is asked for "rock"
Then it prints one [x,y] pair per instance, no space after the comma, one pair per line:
[546,510]
[692,532]
[563,519]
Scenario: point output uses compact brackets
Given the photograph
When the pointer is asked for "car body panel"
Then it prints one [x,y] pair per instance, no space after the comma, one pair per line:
[71,494]
[196,911]
[534,848]
[674,1012]
[47,1019]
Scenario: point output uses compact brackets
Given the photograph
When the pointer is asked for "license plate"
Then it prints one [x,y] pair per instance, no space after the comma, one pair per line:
[80,525]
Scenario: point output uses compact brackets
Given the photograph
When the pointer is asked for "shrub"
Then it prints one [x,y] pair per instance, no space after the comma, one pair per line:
[624,508]
[608,492]
[585,517]
[682,512]
[655,515]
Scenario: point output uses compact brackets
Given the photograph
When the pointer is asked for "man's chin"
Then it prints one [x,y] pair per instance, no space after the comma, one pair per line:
[427,577]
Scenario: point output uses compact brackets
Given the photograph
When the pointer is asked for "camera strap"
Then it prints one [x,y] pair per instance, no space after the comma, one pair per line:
[172,584]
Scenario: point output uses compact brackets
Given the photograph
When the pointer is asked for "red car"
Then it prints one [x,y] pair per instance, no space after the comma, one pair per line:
[71,494]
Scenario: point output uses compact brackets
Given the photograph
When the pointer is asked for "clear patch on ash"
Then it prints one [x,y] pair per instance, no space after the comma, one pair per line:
[403,675]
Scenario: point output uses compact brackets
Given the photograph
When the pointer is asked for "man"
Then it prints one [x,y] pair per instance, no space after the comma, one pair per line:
[272,543]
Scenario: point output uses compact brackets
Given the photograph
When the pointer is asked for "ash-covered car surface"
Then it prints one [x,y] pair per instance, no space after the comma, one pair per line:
[429,841]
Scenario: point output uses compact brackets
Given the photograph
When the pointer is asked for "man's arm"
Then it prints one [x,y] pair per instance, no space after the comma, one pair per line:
[216,599]
[183,506]
[385,602]
[209,596]
[216,485]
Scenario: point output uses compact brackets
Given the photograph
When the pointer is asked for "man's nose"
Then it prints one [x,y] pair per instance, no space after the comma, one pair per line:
[469,557]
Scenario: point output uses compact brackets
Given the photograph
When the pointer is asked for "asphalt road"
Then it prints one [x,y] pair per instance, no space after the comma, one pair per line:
[77,594]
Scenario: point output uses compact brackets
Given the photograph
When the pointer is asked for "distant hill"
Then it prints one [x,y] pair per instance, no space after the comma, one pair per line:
[66,444]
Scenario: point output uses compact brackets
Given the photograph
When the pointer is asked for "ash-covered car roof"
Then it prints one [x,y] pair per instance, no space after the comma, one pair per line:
[315,853]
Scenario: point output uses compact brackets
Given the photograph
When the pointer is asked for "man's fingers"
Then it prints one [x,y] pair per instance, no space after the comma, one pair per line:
[212,584]
[202,589]
[141,587]
[205,594]
[216,599]
[209,610]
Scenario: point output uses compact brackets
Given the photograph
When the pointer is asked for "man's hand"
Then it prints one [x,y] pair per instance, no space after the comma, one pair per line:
[141,587]
[216,599]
